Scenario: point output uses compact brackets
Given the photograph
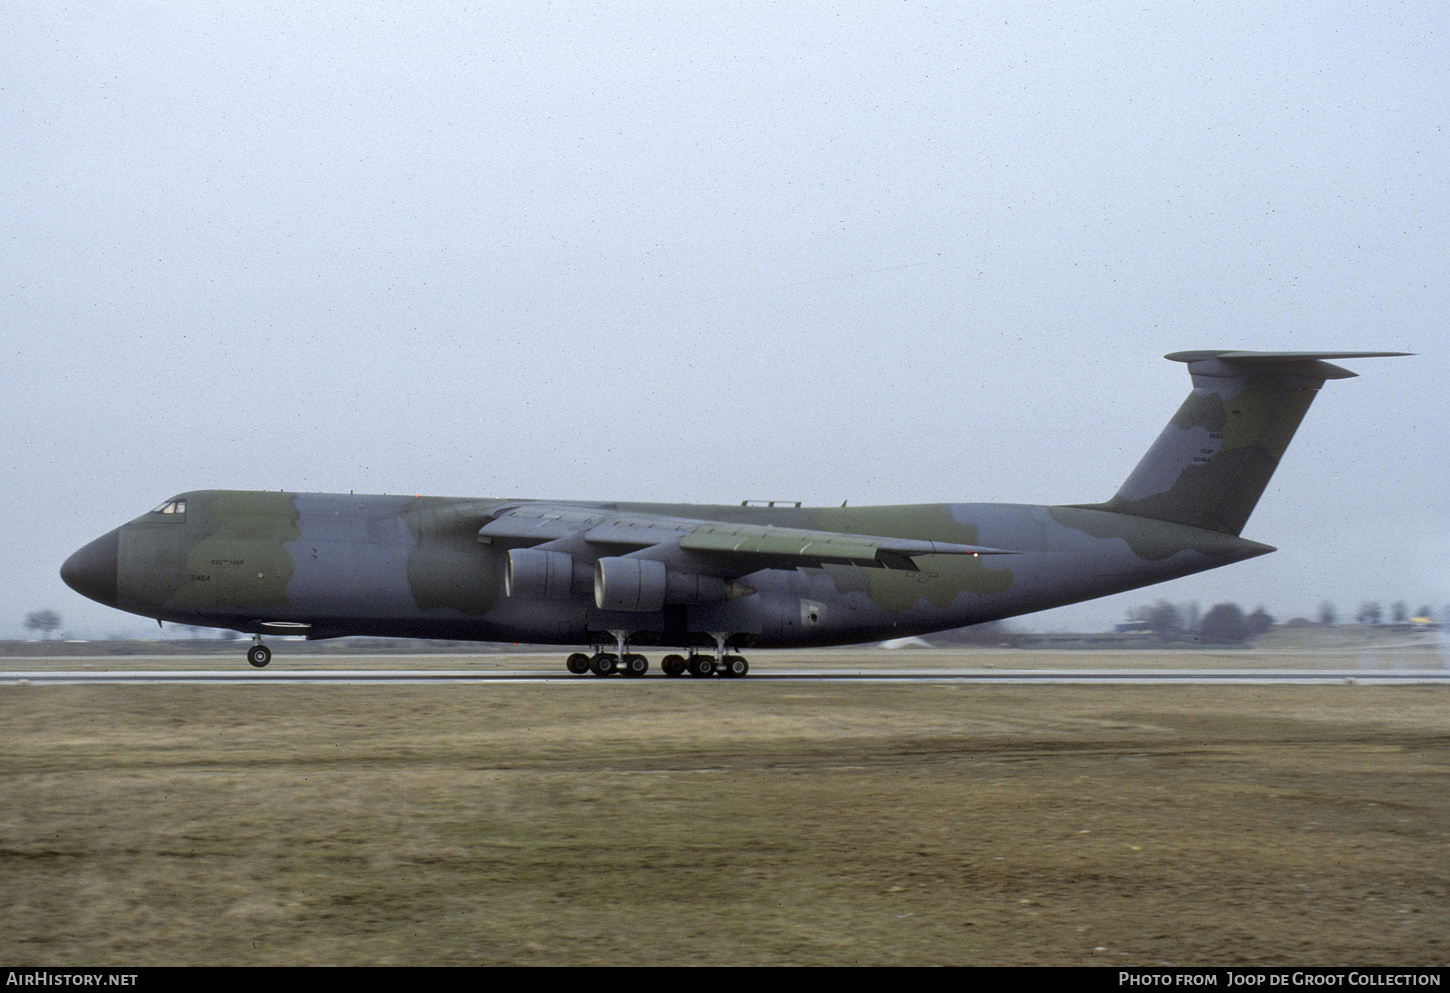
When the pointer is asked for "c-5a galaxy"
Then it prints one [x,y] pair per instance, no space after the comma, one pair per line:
[708,581]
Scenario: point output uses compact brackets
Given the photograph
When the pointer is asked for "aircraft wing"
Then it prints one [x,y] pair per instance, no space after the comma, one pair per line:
[738,548]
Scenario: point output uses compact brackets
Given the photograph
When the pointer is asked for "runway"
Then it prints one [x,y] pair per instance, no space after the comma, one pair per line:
[1056,677]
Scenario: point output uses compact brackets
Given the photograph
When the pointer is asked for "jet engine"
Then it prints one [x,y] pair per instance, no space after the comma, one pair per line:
[619,583]
[535,574]
[646,585]
[630,584]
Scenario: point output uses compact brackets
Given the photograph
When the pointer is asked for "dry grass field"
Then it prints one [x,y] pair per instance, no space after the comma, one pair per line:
[614,822]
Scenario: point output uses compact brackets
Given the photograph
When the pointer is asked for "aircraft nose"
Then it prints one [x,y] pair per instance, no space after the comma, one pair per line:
[92,570]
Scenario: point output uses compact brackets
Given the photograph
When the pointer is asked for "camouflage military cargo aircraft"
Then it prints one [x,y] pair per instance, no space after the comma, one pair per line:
[708,581]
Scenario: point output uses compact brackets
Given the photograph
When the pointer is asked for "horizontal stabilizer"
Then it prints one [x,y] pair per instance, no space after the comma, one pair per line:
[1308,365]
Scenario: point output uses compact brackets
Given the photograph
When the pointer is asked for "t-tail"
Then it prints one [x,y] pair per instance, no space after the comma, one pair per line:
[1211,463]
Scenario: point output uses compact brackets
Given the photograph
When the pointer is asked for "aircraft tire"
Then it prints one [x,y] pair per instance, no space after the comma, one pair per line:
[635,666]
[735,666]
[578,663]
[259,656]
[603,664]
[673,665]
[702,665]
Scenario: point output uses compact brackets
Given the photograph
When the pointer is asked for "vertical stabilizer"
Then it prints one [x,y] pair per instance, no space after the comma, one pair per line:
[1211,463]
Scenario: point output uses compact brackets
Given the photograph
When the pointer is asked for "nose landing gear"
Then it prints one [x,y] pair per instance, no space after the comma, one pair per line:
[259,654]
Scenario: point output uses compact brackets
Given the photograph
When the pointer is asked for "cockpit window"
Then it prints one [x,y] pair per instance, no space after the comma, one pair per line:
[171,507]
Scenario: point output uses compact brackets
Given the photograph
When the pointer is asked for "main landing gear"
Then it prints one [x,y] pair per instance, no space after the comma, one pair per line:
[729,666]
[631,665]
[607,664]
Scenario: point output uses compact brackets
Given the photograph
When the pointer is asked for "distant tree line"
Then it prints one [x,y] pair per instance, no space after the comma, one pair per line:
[1370,612]
[1224,623]
[42,623]
[1228,624]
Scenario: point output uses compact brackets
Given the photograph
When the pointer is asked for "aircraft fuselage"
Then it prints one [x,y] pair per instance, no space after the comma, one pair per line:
[328,565]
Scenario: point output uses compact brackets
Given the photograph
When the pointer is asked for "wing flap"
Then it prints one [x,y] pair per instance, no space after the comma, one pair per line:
[803,547]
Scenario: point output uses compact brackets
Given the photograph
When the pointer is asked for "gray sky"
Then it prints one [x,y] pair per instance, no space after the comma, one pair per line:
[713,251]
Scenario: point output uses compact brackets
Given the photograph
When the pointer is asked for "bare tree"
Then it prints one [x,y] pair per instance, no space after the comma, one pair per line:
[1226,623]
[1259,621]
[1191,615]
[1163,619]
[44,621]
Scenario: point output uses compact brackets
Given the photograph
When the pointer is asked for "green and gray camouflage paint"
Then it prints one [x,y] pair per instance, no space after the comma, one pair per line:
[570,573]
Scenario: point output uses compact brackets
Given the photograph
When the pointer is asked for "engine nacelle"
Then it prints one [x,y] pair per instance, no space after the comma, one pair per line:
[629,584]
[686,587]
[646,585]
[534,574]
